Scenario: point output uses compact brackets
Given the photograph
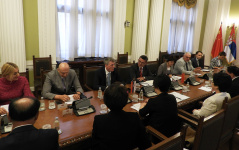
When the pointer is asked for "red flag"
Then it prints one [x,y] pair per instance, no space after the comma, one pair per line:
[217,46]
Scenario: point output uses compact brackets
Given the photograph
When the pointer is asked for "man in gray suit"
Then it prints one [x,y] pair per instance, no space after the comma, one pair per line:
[184,65]
[58,84]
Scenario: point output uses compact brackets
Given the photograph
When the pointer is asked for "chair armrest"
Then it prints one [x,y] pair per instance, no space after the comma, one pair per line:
[88,88]
[188,118]
[155,133]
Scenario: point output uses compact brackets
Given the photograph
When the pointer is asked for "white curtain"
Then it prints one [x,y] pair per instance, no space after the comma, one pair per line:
[85,28]
[47,28]
[181,30]
[140,28]
[12,38]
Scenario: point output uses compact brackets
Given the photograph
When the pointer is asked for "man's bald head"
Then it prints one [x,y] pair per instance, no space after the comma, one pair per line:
[63,69]
[23,109]
[187,56]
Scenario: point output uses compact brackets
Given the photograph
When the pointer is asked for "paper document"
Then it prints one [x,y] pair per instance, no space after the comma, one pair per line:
[179,97]
[147,83]
[198,74]
[175,78]
[71,100]
[204,88]
[205,70]
[5,106]
[136,106]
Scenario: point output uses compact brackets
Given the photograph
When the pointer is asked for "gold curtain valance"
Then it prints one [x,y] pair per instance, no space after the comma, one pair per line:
[188,3]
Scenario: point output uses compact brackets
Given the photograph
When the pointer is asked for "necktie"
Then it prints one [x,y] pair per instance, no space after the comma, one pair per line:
[63,82]
[187,66]
[141,72]
[108,79]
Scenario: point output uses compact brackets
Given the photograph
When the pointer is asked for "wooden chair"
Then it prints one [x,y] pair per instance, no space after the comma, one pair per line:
[38,64]
[208,130]
[230,120]
[89,77]
[43,76]
[124,72]
[175,142]
[153,67]
[122,58]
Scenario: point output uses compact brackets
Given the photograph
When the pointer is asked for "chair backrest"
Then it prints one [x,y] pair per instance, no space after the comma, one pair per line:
[124,72]
[122,58]
[230,120]
[175,142]
[42,62]
[153,67]
[208,131]
[89,76]
[43,76]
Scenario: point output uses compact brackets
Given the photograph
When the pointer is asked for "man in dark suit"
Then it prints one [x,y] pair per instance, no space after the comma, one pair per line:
[197,61]
[118,130]
[23,113]
[140,71]
[106,75]
[58,84]
[233,71]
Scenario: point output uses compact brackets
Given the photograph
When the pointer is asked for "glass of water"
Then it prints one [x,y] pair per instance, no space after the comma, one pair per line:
[103,108]
[52,104]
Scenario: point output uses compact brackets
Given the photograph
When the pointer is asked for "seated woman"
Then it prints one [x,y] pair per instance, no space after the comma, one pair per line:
[161,112]
[12,85]
[167,67]
[118,130]
[222,82]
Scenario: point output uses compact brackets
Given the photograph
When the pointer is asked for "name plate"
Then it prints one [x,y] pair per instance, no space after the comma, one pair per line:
[60,106]
[67,112]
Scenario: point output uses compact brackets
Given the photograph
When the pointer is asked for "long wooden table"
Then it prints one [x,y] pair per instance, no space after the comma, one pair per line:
[78,128]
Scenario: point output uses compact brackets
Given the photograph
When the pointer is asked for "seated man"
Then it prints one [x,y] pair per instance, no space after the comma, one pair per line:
[222,81]
[184,65]
[217,61]
[118,129]
[197,61]
[166,67]
[58,84]
[23,113]
[140,71]
[106,75]
[233,72]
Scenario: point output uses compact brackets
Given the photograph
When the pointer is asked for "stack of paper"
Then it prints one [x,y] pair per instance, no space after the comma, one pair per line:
[136,106]
[208,89]
[179,97]
[147,83]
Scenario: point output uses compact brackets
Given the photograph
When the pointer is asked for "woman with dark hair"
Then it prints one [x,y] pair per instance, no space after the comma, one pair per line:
[118,129]
[233,72]
[161,110]
[167,67]
[222,81]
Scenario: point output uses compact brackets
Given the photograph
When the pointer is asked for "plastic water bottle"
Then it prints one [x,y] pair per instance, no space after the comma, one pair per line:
[99,93]
[141,95]
[188,89]
[57,125]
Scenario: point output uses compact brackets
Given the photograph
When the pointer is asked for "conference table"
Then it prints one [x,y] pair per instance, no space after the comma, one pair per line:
[76,129]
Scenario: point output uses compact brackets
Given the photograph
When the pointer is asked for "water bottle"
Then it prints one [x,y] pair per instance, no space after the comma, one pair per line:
[141,95]
[99,93]
[188,86]
[57,124]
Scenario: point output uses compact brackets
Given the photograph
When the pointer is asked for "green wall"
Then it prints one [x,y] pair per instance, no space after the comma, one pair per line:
[31,32]
[234,10]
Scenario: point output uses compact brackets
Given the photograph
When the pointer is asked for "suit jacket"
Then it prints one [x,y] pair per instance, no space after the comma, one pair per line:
[234,89]
[29,138]
[162,114]
[180,67]
[163,69]
[100,78]
[195,64]
[119,130]
[53,84]
[211,104]
[134,72]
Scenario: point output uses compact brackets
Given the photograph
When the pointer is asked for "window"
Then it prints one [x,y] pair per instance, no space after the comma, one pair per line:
[84,28]
[182,22]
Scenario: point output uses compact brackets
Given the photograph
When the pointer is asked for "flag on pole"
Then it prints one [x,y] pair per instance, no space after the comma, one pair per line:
[231,48]
[217,46]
